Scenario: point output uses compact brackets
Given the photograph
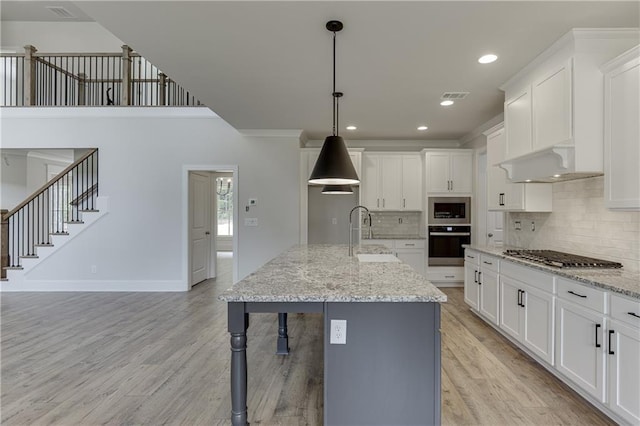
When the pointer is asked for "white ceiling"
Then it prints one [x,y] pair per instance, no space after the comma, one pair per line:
[267,65]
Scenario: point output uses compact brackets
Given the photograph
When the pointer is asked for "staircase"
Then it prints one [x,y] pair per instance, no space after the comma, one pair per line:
[48,219]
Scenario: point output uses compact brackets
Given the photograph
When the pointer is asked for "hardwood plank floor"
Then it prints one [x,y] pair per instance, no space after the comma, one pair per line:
[163,358]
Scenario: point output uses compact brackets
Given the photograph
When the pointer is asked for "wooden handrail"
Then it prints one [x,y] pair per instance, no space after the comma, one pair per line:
[57,68]
[50,183]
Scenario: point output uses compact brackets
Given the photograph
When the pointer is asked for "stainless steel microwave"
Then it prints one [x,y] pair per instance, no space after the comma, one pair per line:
[449,210]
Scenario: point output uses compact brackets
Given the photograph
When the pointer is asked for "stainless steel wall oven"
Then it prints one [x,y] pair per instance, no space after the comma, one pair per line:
[445,244]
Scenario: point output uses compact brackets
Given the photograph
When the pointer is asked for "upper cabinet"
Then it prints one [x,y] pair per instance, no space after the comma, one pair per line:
[553,108]
[502,195]
[392,181]
[449,172]
[622,131]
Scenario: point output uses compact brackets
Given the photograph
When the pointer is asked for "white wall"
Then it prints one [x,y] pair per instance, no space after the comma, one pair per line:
[13,171]
[580,224]
[51,37]
[142,154]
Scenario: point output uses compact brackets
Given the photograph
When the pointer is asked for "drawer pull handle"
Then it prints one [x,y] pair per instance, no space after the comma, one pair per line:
[449,276]
[409,245]
[475,275]
[597,344]
[471,257]
[633,314]
[488,263]
[576,294]
[611,334]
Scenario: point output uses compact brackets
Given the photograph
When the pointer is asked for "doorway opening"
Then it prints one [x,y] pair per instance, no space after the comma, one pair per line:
[210,228]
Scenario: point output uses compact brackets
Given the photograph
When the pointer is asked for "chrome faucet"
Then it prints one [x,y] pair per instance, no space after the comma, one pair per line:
[359,228]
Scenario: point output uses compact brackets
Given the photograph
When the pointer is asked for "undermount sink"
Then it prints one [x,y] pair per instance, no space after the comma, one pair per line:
[377,258]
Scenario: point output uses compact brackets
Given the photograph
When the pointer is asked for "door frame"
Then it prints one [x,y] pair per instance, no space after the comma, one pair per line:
[186,249]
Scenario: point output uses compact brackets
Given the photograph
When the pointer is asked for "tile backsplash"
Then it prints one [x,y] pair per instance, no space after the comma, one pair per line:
[393,223]
[580,224]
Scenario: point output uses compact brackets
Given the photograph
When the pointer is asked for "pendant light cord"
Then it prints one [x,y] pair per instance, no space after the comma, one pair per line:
[333,94]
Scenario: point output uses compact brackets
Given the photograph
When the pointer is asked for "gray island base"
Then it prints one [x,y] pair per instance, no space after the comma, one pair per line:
[388,372]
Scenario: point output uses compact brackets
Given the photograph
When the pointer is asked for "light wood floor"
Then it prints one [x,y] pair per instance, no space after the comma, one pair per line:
[163,358]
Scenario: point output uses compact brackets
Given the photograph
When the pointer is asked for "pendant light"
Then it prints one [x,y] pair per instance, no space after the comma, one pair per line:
[334,166]
[337,189]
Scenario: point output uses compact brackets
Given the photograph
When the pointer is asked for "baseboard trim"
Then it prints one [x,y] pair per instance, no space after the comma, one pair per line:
[95,286]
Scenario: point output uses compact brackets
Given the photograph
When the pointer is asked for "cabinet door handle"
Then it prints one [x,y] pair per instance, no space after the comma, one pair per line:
[404,203]
[378,202]
[449,276]
[576,294]
[409,245]
[487,263]
[633,314]
[519,297]
[597,344]
[611,334]
[524,293]
[471,257]
[479,277]
[475,277]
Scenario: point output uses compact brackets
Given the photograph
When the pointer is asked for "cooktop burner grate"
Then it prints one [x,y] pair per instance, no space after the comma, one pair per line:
[561,260]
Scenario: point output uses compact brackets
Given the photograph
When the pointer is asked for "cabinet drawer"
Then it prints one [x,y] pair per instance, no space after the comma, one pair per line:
[582,295]
[445,275]
[409,244]
[625,310]
[528,275]
[471,256]
[490,262]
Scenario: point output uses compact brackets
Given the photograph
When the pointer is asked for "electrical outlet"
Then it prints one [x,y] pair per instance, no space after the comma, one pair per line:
[533,226]
[334,220]
[338,334]
[94,269]
[518,225]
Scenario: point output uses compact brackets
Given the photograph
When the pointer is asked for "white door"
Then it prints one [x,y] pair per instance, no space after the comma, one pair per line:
[624,370]
[461,172]
[411,182]
[391,182]
[471,291]
[489,291]
[369,187]
[438,172]
[510,313]
[200,225]
[538,323]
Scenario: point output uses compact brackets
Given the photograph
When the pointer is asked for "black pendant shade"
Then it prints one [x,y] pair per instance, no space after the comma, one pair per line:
[334,166]
[337,189]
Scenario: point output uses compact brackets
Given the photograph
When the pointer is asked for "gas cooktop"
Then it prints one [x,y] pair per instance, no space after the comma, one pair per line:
[561,260]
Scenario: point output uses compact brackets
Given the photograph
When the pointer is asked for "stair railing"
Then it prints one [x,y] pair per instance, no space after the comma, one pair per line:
[50,209]
[86,79]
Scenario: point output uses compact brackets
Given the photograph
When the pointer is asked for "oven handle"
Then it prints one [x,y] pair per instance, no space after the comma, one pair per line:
[450,234]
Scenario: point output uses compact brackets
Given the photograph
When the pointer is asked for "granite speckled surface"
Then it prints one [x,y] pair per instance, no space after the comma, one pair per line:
[614,280]
[326,273]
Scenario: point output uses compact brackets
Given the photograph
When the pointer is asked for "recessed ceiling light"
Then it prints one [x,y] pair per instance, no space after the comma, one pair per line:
[351,127]
[422,128]
[487,59]
[556,176]
[446,103]
[527,180]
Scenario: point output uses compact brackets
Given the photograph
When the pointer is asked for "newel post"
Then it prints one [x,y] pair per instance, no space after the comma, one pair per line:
[162,89]
[126,76]
[30,75]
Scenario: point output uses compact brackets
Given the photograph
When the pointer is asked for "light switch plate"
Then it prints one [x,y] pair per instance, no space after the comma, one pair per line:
[250,221]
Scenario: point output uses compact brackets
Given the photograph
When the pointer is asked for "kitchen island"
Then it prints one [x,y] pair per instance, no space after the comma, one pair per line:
[388,369]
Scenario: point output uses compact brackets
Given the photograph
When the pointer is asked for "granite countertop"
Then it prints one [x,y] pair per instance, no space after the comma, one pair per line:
[614,280]
[395,237]
[326,273]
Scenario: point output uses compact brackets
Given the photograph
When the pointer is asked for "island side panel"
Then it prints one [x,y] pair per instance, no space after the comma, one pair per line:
[388,372]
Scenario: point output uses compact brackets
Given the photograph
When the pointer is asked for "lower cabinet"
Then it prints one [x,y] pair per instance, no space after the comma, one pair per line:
[471,287]
[527,315]
[410,251]
[581,347]
[413,257]
[489,292]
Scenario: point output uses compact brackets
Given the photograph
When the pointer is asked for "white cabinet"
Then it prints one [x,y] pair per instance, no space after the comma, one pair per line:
[622,132]
[412,257]
[449,172]
[481,284]
[553,107]
[623,358]
[392,182]
[471,290]
[580,347]
[526,311]
[502,195]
